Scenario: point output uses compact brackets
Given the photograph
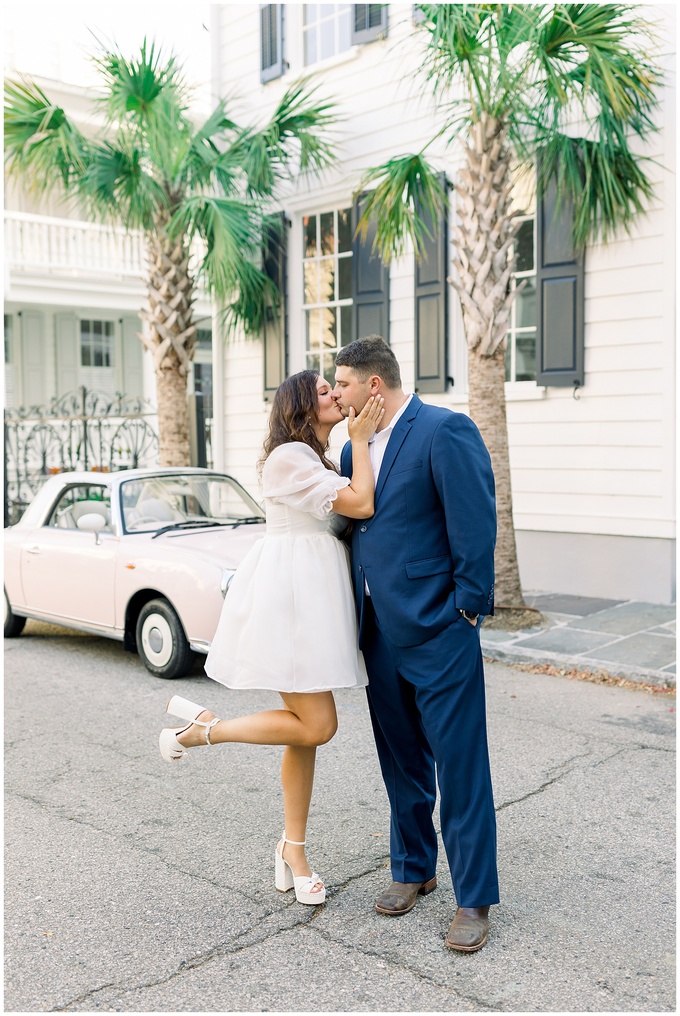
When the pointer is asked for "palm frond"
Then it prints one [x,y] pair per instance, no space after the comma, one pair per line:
[603,180]
[133,86]
[296,140]
[232,232]
[407,195]
[42,145]
[117,184]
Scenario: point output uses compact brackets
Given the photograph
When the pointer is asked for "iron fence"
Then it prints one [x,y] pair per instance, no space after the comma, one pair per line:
[83,429]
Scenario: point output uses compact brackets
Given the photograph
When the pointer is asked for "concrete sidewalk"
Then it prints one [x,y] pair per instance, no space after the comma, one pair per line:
[622,638]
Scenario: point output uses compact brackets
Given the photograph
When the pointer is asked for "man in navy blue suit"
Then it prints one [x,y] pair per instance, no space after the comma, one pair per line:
[422,568]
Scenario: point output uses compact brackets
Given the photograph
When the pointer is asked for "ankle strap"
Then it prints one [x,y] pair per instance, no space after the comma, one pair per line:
[296,843]
[208,726]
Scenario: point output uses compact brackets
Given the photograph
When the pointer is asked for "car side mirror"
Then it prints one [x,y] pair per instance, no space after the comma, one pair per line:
[92,522]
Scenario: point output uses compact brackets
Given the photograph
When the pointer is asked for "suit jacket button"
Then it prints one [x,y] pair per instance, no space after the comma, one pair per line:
[360,568]
[363,529]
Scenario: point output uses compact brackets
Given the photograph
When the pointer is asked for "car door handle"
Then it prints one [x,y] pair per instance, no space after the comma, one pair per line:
[34,550]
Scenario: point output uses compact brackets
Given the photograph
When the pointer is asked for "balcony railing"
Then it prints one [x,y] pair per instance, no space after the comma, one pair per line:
[42,243]
[47,244]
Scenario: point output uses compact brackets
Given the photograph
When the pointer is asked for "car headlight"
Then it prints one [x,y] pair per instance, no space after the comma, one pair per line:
[227,576]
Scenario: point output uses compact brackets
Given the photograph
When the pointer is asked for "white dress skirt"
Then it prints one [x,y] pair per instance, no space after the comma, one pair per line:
[289,622]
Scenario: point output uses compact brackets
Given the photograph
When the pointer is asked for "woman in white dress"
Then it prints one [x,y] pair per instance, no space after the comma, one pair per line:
[289,621]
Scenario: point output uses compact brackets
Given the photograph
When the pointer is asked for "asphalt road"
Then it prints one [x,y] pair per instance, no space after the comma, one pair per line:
[136,886]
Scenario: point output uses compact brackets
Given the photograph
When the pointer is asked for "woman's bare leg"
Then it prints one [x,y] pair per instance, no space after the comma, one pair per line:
[308,720]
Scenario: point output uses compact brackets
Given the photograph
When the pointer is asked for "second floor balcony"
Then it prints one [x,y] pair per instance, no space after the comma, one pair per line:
[43,246]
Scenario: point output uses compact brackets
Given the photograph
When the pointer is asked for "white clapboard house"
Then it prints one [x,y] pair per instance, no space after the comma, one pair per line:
[591,413]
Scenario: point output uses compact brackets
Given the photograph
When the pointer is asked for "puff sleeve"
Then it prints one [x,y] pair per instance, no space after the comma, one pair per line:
[294,475]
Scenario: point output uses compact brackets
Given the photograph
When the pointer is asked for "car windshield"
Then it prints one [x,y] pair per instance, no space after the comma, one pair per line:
[150,503]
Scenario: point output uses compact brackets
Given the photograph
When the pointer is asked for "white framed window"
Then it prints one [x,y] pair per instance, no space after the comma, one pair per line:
[96,343]
[326,31]
[327,287]
[520,356]
[97,360]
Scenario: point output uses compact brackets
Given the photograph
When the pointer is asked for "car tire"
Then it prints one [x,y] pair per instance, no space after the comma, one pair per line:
[14,625]
[161,642]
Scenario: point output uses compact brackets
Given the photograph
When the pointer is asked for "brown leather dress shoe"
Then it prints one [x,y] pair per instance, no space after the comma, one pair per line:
[402,897]
[469,929]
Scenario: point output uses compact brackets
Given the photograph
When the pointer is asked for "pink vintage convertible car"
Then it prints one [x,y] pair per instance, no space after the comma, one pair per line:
[144,556]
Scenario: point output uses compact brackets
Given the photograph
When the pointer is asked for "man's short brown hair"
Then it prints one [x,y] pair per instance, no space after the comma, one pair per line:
[370,356]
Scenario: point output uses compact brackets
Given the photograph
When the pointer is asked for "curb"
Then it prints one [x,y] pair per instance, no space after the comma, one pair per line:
[498,654]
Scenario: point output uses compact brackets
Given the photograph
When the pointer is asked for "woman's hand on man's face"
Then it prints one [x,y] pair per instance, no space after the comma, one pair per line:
[362,426]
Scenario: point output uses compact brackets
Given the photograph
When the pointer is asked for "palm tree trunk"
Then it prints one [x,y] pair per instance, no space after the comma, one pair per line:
[170,338]
[486,376]
[482,269]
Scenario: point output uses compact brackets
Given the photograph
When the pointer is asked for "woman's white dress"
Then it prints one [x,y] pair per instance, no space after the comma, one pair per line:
[288,622]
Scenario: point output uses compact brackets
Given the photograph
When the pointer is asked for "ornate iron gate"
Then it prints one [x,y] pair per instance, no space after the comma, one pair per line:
[83,429]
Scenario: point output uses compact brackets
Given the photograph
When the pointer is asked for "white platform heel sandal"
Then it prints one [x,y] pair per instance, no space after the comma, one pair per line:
[303,884]
[171,749]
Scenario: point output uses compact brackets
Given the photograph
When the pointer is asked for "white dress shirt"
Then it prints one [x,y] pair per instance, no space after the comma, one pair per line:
[378,443]
[376,449]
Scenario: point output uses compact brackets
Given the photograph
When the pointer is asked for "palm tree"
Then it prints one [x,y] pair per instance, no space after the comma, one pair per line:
[558,89]
[155,169]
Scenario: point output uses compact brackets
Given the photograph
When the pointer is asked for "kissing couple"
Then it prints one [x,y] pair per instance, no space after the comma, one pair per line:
[400,615]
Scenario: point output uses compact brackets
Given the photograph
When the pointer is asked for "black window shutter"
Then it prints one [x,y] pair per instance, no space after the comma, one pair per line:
[276,323]
[431,316]
[560,301]
[370,284]
[369,22]
[271,41]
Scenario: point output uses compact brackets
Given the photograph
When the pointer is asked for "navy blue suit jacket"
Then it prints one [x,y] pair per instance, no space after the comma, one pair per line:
[428,549]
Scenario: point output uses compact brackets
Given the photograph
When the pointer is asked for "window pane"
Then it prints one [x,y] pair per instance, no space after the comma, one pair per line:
[525,369]
[327,234]
[309,13]
[344,31]
[309,223]
[508,361]
[326,10]
[313,362]
[310,45]
[97,327]
[329,366]
[526,305]
[524,247]
[327,279]
[85,355]
[345,326]
[344,230]
[327,39]
[329,334]
[311,271]
[344,278]
[313,328]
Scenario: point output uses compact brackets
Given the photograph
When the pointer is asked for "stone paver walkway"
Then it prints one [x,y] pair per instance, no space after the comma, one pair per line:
[623,638]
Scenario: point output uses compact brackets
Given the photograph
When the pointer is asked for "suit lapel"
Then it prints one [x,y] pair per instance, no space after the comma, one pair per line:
[397,438]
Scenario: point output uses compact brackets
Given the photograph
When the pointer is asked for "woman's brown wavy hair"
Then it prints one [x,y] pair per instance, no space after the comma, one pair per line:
[295,410]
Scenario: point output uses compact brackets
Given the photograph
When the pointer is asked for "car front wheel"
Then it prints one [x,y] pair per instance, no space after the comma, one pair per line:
[161,641]
[14,625]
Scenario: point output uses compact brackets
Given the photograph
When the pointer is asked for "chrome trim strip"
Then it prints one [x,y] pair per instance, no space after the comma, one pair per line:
[67,622]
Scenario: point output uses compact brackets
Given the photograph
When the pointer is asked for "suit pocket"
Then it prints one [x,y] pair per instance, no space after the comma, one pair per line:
[407,469]
[430,566]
